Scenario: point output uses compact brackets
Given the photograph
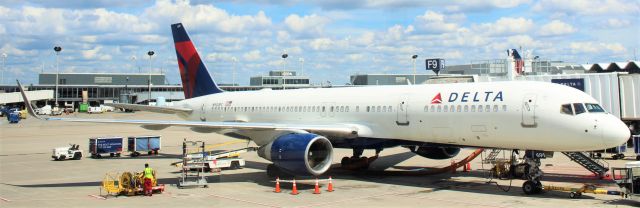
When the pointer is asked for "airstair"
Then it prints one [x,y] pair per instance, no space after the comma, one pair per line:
[594,165]
[193,168]
[491,158]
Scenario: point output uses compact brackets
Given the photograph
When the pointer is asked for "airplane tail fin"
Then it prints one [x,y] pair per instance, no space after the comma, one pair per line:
[518,61]
[196,80]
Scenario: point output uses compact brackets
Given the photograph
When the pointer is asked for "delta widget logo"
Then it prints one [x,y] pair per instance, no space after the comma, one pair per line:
[437,99]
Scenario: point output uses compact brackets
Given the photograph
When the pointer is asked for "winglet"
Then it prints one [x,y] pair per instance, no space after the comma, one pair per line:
[27,104]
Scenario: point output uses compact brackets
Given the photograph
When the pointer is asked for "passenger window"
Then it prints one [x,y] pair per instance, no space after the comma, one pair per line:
[566,109]
[323,109]
[504,108]
[426,108]
[390,109]
[487,108]
[466,108]
[368,108]
[357,109]
[480,108]
[384,109]
[473,108]
[341,108]
[452,108]
[331,109]
[439,108]
[378,109]
[495,108]
[433,108]
[459,108]
[579,108]
[446,108]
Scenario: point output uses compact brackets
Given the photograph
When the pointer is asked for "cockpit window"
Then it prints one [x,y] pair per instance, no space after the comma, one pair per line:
[579,108]
[593,108]
[566,109]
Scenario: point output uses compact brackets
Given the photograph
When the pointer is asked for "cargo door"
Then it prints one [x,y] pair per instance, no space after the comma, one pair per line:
[402,112]
[529,111]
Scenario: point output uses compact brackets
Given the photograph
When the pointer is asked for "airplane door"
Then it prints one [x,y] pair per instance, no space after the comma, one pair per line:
[402,116]
[203,113]
[529,111]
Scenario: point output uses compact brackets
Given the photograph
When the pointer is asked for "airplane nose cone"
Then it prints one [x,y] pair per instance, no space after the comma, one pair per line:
[615,132]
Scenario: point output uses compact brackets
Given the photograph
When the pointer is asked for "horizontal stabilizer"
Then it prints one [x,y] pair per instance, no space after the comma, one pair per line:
[155,109]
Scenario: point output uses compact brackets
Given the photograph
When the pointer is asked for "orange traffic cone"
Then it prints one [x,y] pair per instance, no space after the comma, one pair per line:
[277,185]
[317,189]
[294,191]
[330,186]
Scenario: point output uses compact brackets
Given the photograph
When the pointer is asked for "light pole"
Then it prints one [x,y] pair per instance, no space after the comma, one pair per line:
[233,74]
[414,57]
[150,53]
[57,49]
[284,68]
[135,62]
[301,66]
[4,56]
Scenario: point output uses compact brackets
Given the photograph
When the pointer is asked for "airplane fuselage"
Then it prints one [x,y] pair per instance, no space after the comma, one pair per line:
[511,115]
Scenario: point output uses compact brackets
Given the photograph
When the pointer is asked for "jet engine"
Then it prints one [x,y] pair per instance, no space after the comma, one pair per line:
[437,153]
[299,153]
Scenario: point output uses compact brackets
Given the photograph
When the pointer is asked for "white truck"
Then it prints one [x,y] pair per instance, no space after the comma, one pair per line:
[94,110]
[71,152]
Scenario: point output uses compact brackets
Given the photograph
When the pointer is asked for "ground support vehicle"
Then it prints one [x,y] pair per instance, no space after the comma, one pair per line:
[71,152]
[105,145]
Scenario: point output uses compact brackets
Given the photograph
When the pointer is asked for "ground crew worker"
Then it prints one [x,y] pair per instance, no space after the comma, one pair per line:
[148,180]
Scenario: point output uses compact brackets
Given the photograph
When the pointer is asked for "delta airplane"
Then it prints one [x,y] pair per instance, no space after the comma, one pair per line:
[298,129]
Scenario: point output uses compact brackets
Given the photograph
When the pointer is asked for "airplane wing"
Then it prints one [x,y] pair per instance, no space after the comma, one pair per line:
[155,109]
[342,130]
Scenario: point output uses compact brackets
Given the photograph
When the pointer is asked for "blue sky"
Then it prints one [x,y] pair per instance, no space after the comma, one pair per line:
[336,38]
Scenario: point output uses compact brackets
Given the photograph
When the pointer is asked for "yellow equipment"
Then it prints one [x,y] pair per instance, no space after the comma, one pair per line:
[128,183]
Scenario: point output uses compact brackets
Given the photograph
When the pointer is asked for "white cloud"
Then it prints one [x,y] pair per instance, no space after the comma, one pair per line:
[222,57]
[312,25]
[204,16]
[506,26]
[617,23]
[597,48]
[367,38]
[434,22]
[556,27]
[593,7]
[253,55]
[91,53]
[321,44]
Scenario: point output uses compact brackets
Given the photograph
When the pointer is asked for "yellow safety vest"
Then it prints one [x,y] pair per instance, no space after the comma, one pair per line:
[148,173]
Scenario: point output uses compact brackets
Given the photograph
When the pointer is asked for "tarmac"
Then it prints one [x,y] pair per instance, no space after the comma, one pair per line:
[29,177]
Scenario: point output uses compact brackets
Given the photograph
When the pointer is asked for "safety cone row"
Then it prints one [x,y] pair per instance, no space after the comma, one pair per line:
[316,189]
[277,185]
[330,186]
[294,190]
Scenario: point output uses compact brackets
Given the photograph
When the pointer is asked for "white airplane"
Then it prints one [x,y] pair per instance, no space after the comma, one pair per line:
[298,129]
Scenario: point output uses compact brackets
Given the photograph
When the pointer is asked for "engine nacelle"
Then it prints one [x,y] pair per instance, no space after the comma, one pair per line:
[299,153]
[437,153]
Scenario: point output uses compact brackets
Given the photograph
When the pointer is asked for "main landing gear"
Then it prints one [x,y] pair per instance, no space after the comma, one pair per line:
[534,174]
[357,162]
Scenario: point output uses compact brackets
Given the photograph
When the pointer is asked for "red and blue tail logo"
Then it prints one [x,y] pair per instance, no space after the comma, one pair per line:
[196,80]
